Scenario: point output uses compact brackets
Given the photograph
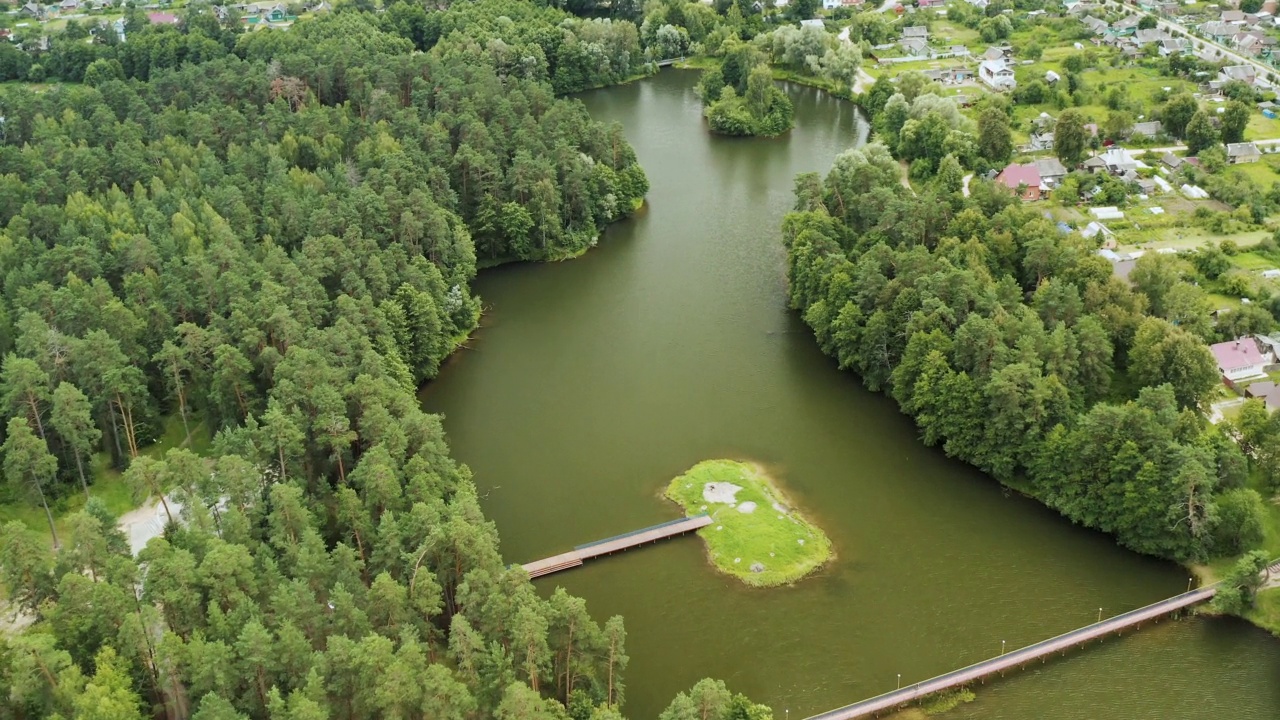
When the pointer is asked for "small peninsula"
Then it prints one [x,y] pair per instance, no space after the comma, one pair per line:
[757,536]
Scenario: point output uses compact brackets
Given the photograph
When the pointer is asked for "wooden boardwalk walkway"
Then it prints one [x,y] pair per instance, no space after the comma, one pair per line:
[574,557]
[1018,658]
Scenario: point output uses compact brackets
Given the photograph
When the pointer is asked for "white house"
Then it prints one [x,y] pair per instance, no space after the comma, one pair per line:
[997,74]
[1239,359]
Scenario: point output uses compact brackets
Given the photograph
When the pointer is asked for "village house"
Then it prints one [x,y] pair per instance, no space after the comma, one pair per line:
[1147,129]
[69,6]
[1173,162]
[1126,25]
[1116,161]
[1051,171]
[1239,359]
[1040,141]
[1219,32]
[1022,179]
[1244,73]
[914,46]
[1266,391]
[1241,153]
[1149,36]
[997,53]
[1232,16]
[1097,25]
[915,31]
[1174,46]
[160,18]
[32,10]
[997,74]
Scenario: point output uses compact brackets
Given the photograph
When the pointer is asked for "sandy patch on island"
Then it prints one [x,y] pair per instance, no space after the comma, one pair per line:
[720,492]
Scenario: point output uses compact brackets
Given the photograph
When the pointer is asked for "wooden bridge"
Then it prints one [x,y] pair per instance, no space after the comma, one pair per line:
[1019,658]
[576,556]
[668,62]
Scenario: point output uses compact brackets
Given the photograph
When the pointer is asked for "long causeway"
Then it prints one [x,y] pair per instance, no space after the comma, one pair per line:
[643,536]
[1018,658]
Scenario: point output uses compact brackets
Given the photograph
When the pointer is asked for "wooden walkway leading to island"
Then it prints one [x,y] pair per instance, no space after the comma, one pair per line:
[1019,658]
[574,557]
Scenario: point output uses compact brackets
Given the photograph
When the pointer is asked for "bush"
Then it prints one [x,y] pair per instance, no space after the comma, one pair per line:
[1241,515]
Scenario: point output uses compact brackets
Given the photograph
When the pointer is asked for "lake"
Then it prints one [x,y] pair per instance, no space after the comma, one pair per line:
[593,382]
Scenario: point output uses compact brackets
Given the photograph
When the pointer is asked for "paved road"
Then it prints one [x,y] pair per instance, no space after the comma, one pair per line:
[1179,148]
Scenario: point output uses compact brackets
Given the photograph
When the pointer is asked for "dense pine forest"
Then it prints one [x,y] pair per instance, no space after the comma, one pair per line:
[275,234]
[1015,349]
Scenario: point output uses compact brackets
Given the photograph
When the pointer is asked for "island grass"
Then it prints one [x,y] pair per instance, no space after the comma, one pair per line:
[736,540]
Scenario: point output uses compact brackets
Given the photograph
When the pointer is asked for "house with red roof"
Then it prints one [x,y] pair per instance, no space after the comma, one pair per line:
[1027,177]
[1239,359]
[161,18]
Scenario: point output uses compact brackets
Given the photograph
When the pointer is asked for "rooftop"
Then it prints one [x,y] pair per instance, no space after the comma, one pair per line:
[1235,354]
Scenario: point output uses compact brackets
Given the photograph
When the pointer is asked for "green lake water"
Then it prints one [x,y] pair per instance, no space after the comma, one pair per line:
[593,382]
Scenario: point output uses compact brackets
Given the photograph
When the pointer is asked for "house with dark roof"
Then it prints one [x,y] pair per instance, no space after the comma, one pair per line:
[1266,391]
[1239,359]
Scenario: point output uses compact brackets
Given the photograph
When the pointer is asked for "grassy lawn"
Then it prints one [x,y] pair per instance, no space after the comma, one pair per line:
[1251,261]
[107,483]
[1266,610]
[1188,238]
[950,33]
[1261,127]
[754,524]
[1262,173]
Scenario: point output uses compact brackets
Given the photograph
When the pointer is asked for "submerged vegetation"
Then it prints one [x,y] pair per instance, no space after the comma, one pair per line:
[756,537]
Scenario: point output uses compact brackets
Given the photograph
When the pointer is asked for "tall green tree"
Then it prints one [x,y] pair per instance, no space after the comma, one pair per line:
[28,466]
[1070,138]
[1201,134]
[72,418]
[1233,121]
[995,138]
[1164,353]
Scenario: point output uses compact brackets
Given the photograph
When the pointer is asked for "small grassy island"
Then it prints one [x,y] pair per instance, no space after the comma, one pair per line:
[757,536]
